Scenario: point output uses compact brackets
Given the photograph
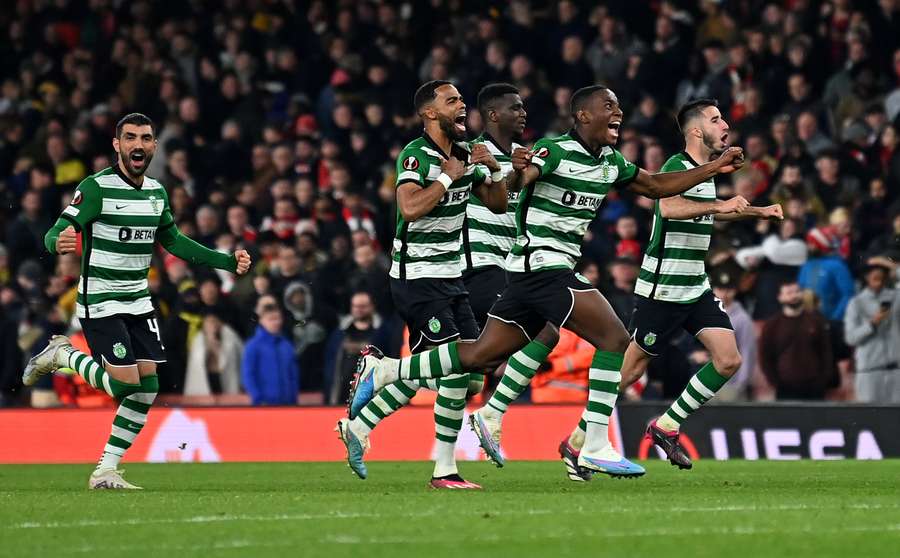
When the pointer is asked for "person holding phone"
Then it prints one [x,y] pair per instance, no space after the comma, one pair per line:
[872,326]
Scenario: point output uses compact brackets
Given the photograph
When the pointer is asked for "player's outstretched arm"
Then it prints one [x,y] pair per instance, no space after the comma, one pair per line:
[679,207]
[195,253]
[755,212]
[665,184]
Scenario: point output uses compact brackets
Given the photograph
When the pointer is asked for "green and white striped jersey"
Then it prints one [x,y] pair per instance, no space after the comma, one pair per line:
[118,223]
[429,247]
[674,268]
[487,236]
[554,213]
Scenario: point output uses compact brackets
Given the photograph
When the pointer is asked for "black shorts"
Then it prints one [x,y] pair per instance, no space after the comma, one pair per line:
[123,339]
[485,285]
[654,322]
[533,298]
[435,311]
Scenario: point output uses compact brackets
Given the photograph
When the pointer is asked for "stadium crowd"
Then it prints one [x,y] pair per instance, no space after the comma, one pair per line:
[279,123]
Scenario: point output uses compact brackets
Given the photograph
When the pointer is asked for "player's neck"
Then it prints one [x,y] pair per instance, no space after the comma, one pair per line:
[138,180]
[699,153]
[503,140]
[439,138]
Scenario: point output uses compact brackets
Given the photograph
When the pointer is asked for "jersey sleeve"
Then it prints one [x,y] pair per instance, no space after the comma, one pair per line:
[547,155]
[412,166]
[627,169]
[86,204]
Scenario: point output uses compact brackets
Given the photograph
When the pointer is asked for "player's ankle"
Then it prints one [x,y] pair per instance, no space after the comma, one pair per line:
[666,424]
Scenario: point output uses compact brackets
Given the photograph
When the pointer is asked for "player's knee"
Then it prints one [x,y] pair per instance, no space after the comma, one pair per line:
[548,337]
[476,356]
[728,365]
[617,342]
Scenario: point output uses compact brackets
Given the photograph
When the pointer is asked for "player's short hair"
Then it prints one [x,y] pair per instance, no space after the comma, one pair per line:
[692,109]
[425,94]
[581,97]
[137,119]
[492,92]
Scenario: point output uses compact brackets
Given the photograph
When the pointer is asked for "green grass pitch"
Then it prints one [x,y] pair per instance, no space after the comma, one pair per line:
[736,508]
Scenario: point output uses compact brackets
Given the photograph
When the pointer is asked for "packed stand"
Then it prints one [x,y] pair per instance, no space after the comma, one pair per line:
[279,124]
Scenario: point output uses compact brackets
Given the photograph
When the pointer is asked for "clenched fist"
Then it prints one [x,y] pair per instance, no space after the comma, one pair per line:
[67,241]
[737,204]
[521,158]
[243,261]
[730,160]
[773,212]
[454,168]
[482,156]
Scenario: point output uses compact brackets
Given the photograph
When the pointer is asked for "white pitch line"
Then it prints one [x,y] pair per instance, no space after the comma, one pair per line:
[202,519]
[346,539]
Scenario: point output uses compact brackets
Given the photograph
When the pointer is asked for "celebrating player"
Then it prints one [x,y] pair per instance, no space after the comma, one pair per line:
[673,290]
[120,214]
[435,174]
[567,179]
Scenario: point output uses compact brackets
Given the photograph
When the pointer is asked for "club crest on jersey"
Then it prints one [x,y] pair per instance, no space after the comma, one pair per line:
[650,339]
[76,199]
[119,350]
[542,152]
[410,163]
[434,325]
[154,203]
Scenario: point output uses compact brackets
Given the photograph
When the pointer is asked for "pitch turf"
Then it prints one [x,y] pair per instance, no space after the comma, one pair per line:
[837,508]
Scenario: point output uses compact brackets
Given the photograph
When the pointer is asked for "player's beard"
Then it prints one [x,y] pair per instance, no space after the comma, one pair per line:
[711,143]
[448,126]
[129,167]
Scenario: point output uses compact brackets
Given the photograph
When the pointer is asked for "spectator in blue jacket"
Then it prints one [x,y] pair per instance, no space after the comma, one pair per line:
[828,276]
[269,368]
[826,273]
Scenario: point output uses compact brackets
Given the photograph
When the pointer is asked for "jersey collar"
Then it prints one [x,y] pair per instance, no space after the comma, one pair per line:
[573,133]
[487,137]
[434,145]
[125,177]
[689,158]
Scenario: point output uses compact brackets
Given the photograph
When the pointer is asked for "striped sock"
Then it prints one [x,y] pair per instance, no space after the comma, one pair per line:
[519,370]
[387,401]
[603,389]
[440,361]
[449,408]
[130,419]
[702,387]
[94,374]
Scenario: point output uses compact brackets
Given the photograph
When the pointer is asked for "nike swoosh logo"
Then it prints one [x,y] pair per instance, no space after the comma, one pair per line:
[121,206]
[457,404]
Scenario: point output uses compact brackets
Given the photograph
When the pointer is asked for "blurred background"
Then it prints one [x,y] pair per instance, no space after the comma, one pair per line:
[279,123]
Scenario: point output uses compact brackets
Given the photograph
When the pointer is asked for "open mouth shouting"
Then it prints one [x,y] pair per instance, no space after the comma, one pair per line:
[137,158]
[460,122]
[724,140]
[614,126]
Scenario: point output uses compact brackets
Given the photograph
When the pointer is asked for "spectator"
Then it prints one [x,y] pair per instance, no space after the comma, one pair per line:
[363,326]
[872,326]
[269,369]
[214,359]
[724,285]
[795,349]
[623,273]
[24,235]
[826,274]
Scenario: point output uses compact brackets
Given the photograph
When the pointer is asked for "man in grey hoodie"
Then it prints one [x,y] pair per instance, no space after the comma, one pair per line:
[872,326]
